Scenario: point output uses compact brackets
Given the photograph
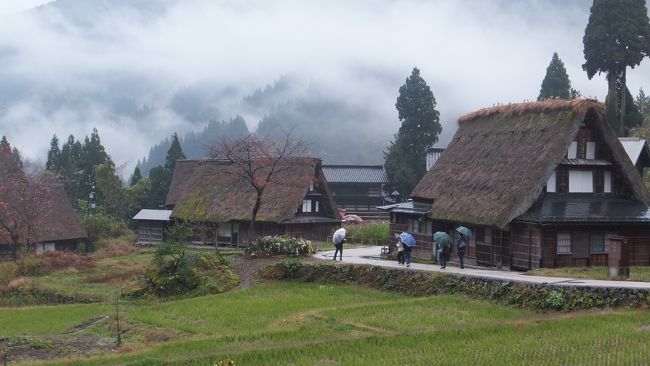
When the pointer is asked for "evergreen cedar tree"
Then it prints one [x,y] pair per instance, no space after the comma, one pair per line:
[74,163]
[136,177]
[405,158]
[617,36]
[161,176]
[556,83]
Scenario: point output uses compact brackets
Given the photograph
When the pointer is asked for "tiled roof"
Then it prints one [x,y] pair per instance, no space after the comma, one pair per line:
[355,174]
[577,207]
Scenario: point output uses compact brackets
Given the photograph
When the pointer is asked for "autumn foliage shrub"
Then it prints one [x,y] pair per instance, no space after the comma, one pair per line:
[58,260]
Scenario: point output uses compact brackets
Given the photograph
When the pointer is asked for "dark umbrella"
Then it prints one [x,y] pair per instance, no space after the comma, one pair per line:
[465,231]
[442,238]
[407,239]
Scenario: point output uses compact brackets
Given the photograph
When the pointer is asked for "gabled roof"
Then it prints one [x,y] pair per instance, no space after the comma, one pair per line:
[633,146]
[209,190]
[59,222]
[355,173]
[54,217]
[153,215]
[500,159]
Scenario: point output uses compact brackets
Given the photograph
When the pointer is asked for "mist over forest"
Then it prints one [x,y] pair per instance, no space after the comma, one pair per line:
[328,71]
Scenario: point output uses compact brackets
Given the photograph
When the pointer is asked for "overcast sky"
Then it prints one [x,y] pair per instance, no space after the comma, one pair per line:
[16,6]
[473,54]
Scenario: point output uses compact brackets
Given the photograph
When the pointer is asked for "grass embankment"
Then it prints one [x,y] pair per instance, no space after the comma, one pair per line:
[107,278]
[595,273]
[281,323]
[306,324]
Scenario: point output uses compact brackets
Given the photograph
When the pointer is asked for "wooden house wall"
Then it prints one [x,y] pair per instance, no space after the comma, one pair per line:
[526,246]
[639,241]
[493,251]
[357,196]
[637,238]
[150,232]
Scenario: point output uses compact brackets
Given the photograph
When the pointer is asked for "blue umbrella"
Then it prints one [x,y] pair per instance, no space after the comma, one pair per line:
[442,238]
[407,239]
[465,231]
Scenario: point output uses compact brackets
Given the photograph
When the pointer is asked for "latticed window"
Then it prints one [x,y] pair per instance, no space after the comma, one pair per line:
[563,243]
[598,243]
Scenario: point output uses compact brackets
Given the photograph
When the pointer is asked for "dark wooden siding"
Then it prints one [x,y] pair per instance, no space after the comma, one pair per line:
[637,237]
[526,246]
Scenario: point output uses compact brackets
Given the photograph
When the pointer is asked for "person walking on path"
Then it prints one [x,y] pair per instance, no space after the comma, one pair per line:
[338,239]
[400,252]
[444,255]
[462,248]
[407,254]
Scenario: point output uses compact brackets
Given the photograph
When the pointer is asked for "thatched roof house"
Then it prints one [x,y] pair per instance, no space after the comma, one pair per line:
[297,200]
[500,159]
[34,211]
[507,163]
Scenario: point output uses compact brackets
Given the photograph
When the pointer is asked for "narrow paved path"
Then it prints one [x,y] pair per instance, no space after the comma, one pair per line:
[370,255]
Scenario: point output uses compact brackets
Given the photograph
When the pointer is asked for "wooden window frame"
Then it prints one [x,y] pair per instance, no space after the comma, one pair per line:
[605,245]
[558,249]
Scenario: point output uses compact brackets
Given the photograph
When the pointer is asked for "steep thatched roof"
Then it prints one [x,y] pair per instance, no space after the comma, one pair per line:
[59,222]
[500,159]
[210,190]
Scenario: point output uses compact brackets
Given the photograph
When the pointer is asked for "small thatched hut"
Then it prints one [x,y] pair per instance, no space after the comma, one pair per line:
[297,201]
[541,184]
[54,227]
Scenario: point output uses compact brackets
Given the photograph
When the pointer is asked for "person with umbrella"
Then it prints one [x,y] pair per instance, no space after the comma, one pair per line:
[400,251]
[338,239]
[408,241]
[444,243]
[463,243]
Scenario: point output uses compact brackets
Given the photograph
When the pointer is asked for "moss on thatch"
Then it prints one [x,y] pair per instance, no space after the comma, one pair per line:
[210,190]
[500,159]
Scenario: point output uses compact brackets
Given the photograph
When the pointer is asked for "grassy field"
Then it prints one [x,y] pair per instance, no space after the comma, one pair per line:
[286,323]
[596,273]
[307,324]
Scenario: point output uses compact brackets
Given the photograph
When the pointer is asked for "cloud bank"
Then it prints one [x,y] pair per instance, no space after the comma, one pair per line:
[139,71]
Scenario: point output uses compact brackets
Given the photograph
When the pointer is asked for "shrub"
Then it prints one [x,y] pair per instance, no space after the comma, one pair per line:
[279,245]
[291,266]
[30,265]
[7,273]
[368,232]
[101,226]
[177,272]
[57,260]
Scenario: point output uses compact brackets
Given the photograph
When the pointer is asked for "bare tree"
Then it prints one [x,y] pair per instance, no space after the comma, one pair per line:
[256,161]
[25,201]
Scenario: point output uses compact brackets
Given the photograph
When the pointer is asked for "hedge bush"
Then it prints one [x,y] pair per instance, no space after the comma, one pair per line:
[279,245]
[176,272]
[416,283]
